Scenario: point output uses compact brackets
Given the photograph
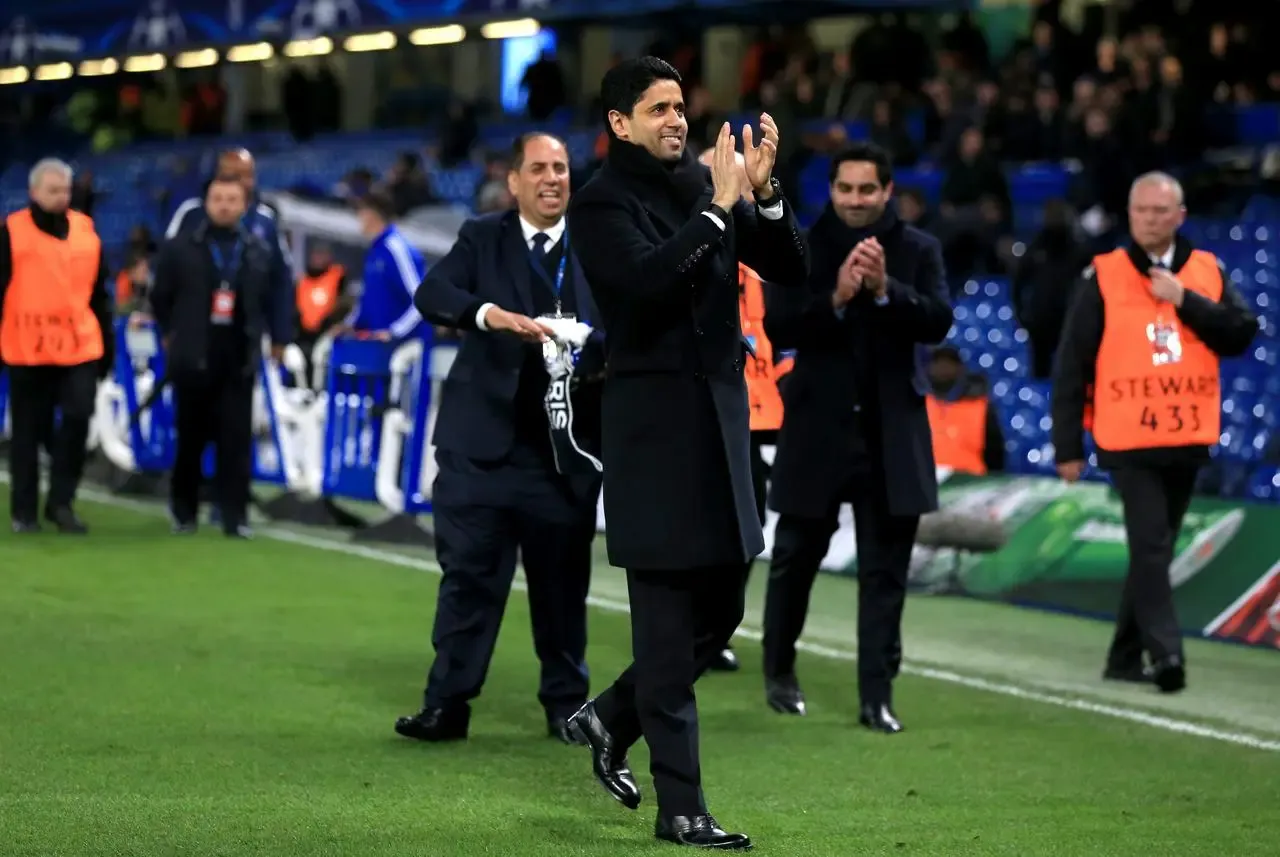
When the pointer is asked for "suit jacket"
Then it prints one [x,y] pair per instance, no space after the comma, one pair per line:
[489,263]
[677,475]
[182,296]
[815,451]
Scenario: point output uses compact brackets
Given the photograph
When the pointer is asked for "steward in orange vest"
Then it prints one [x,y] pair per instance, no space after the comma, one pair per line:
[966,430]
[320,299]
[56,339]
[1138,364]
[762,373]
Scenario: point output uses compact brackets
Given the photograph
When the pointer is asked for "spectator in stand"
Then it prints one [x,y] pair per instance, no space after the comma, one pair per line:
[975,208]
[1044,281]
[890,133]
[408,185]
[543,82]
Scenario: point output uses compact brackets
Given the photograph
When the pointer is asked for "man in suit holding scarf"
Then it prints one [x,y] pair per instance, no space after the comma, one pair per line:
[512,478]
[857,427]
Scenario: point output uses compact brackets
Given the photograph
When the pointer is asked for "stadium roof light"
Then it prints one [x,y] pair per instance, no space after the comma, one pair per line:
[54,71]
[317,47]
[362,42]
[196,59]
[256,52]
[144,63]
[511,29]
[447,35]
[17,74]
[98,68]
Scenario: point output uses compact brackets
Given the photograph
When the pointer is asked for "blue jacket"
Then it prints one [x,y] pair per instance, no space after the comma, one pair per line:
[260,220]
[392,272]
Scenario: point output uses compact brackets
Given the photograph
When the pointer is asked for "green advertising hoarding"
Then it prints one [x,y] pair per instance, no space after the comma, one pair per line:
[1066,550]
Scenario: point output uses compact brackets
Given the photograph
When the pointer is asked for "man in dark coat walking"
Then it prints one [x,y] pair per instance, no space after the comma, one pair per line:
[661,245]
[857,427]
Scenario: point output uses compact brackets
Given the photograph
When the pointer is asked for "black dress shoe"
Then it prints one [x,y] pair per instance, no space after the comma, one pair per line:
[436,724]
[239,531]
[24,527]
[1169,674]
[608,763]
[880,718]
[1133,674]
[784,695]
[66,521]
[725,662]
[558,728]
[699,831]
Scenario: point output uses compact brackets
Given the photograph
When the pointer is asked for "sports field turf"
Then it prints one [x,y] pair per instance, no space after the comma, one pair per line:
[167,696]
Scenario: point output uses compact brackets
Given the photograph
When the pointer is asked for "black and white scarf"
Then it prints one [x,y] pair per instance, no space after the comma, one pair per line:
[560,355]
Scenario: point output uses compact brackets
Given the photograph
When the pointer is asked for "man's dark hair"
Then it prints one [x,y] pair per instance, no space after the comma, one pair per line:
[379,202]
[522,142]
[867,153]
[624,85]
[223,178]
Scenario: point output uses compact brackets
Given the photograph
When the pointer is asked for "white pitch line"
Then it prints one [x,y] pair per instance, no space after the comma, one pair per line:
[1132,715]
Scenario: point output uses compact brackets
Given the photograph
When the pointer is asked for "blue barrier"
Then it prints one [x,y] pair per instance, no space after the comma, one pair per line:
[4,399]
[358,387]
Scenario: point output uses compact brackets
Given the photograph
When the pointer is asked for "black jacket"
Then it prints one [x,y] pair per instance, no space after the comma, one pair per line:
[480,400]
[100,301]
[181,299]
[1227,327]
[677,475]
[868,356]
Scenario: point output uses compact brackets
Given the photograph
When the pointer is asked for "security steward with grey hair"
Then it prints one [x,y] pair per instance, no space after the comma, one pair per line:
[56,339]
[1138,365]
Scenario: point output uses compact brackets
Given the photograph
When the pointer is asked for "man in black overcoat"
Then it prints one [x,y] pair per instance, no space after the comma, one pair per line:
[857,427]
[660,240]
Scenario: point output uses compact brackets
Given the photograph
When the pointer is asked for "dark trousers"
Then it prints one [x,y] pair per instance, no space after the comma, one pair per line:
[483,515]
[218,410]
[680,622]
[1155,501]
[884,559]
[35,392]
[759,483]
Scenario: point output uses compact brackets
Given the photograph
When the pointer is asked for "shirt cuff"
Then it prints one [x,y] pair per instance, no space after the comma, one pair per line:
[480,314]
[715,218]
[839,311]
[772,211]
[882,300]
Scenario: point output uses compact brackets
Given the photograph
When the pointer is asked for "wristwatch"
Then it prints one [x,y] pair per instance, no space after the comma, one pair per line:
[726,217]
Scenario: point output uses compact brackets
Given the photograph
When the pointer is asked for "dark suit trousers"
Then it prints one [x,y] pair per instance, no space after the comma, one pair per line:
[35,392]
[213,409]
[884,559]
[1155,501]
[483,514]
[680,621]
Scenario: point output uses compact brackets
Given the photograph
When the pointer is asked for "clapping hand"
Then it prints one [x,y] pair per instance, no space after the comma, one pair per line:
[760,159]
[848,282]
[1166,287]
[726,174]
[868,260]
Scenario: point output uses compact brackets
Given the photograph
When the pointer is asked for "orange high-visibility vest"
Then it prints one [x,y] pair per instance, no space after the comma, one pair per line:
[48,320]
[1156,384]
[761,373]
[959,431]
[317,297]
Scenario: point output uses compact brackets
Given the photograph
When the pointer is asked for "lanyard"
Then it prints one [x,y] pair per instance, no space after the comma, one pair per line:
[226,272]
[558,284]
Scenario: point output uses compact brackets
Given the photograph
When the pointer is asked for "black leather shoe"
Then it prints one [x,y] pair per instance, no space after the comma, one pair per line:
[725,662]
[436,724]
[784,696]
[240,531]
[1133,675]
[608,763]
[880,718]
[1169,674]
[558,728]
[24,527]
[66,521]
[699,831]
[185,528]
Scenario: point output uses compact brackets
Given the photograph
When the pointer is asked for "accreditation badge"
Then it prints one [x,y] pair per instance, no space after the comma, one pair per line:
[1166,342]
